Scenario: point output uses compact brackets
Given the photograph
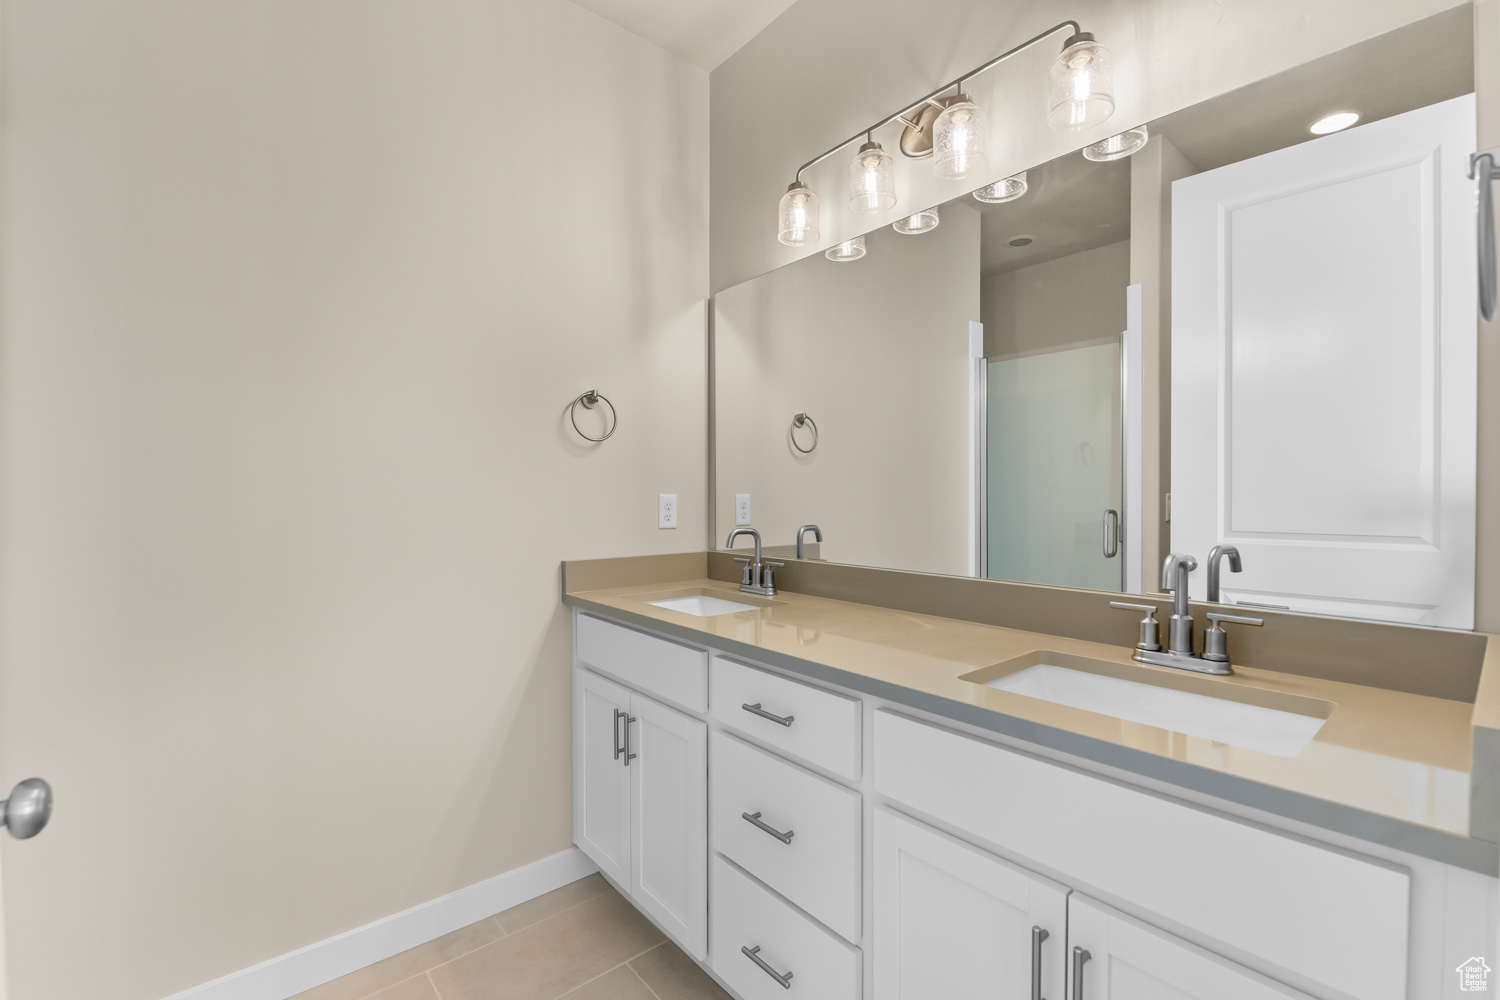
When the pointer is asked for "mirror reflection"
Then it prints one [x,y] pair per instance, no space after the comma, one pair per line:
[1245,331]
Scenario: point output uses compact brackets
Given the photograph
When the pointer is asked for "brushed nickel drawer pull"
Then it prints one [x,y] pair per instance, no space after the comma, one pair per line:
[1080,955]
[626,750]
[754,955]
[754,820]
[757,710]
[1038,935]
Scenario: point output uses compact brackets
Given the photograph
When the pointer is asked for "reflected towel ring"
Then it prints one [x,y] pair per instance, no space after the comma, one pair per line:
[803,420]
[589,400]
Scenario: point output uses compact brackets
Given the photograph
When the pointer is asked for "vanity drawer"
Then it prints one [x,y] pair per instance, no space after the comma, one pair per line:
[1333,917]
[645,662]
[825,727]
[819,868]
[743,915]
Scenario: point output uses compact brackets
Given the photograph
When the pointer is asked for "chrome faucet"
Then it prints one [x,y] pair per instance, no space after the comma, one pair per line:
[1174,580]
[1215,556]
[756,578]
[1179,652]
[801,532]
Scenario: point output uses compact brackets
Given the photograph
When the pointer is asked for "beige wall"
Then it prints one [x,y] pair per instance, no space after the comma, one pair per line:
[818,75]
[293,297]
[1077,299]
[877,352]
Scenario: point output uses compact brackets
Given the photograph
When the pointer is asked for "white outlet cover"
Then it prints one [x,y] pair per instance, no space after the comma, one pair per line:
[666,510]
[741,509]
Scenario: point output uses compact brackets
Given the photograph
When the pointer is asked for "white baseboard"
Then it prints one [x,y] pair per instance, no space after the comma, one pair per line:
[287,975]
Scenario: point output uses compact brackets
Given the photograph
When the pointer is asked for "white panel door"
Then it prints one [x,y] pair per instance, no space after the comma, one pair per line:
[601,780]
[1117,958]
[669,800]
[1323,370]
[954,923]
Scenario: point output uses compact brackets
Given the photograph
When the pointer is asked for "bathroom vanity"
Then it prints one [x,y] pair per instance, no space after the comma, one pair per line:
[828,799]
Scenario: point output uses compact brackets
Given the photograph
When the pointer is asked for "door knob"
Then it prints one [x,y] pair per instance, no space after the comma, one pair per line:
[28,808]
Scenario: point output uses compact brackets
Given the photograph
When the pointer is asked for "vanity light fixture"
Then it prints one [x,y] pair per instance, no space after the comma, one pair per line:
[797,216]
[921,222]
[1335,122]
[848,250]
[959,138]
[1081,94]
[1008,189]
[1082,85]
[872,178]
[1117,147]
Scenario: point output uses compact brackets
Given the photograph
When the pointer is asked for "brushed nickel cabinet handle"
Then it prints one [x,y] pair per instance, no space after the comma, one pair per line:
[1080,955]
[619,748]
[1038,935]
[628,755]
[754,820]
[755,709]
[754,955]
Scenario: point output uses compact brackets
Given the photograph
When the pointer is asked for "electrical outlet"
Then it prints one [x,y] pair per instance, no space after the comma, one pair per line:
[666,510]
[741,509]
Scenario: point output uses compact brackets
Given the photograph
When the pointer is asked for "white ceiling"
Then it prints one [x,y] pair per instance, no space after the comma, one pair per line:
[704,32]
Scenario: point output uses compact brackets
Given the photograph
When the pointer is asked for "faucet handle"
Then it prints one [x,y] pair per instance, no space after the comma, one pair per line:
[766,579]
[1215,645]
[1149,640]
[745,576]
[1218,616]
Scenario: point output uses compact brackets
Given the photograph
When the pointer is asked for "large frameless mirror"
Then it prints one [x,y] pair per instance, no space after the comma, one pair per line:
[1245,329]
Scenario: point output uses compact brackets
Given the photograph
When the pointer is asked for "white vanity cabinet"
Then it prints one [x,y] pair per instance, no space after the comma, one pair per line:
[640,790]
[801,841]
[953,921]
[1116,958]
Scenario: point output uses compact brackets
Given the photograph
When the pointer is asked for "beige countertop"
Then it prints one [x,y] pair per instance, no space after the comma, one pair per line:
[1387,766]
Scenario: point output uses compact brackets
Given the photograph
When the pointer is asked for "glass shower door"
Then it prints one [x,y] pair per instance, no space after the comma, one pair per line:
[1053,469]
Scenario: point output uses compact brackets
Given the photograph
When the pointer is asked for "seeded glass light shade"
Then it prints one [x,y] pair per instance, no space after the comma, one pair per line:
[1117,147]
[959,138]
[848,250]
[1008,189]
[1081,90]
[797,216]
[921,222]
[872,179]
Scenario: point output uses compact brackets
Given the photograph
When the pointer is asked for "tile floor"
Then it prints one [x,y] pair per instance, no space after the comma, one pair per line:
[580,942]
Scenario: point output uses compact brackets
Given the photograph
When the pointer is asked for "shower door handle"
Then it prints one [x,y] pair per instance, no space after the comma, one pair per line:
[1111,533]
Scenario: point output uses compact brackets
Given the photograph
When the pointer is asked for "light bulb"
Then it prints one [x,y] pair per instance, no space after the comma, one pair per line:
[959,138]
[848,250]
[1008,189]
[872,179]
[921,222]
[797,216]
[1082,85]
[1117,147]
[1334,122]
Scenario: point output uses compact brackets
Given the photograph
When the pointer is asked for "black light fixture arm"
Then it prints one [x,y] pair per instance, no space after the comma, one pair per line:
[947,86]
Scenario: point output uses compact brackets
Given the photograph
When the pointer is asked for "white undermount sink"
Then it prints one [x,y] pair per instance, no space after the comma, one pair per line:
[705,603]
[703,606]
[1229,715]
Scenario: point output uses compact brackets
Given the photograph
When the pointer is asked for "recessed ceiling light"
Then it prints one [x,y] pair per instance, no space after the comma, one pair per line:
[1334,122]
[1021,241]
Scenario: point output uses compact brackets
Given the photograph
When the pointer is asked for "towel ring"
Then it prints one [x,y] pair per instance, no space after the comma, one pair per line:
[803,420]
[589,400]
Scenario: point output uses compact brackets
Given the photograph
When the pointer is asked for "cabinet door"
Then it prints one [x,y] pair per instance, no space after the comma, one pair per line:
[1117,958]
[669,799]
[955,923]
[601,779]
